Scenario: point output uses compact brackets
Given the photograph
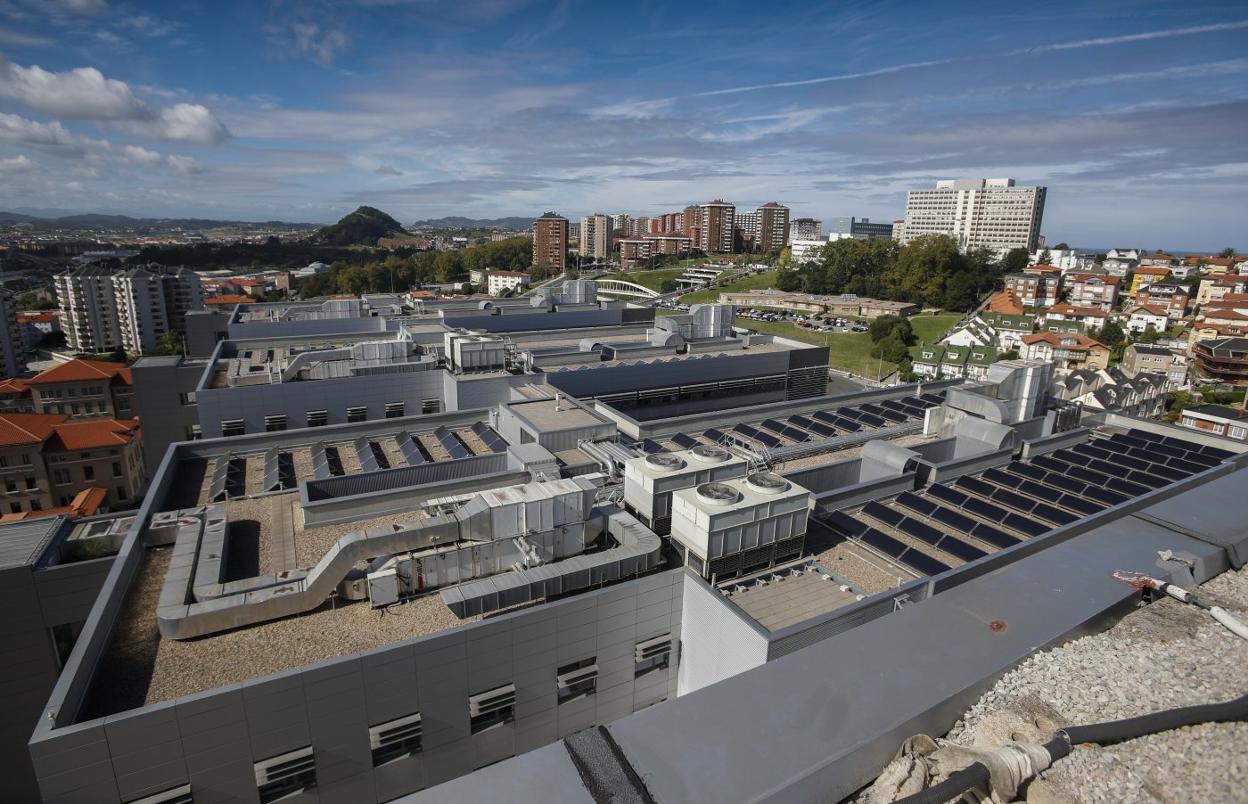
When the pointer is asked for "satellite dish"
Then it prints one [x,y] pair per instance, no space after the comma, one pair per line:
[717,493]
[767,482]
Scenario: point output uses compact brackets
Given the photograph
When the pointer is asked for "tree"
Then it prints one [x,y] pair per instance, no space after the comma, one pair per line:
[1062,246]
[891,326]
[892,349]
[1010,355]
[1045,256]
[171,343]
[467,289]
[1111,334]
[669,286]
[1229,251]
[1015,260]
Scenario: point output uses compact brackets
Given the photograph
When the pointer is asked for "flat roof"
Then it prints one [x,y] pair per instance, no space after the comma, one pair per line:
[550,414]
[790,594]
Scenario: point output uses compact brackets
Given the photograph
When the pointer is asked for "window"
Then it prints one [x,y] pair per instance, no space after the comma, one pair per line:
[26,458]
[35,506]
[194,432]
[10,484]
[63,638]
[233,427]
[578,679]
[31,485]
[4,461]
[74,408]
[431,406]
[396,739]
[123,403]
[121,493]
[188,398]
[285,775]
[60,476]
[357,414]
[318,418]
[116,469]
[492,708]
[275,423]
[88,473]
[652,654]
[394,410]
[15,508]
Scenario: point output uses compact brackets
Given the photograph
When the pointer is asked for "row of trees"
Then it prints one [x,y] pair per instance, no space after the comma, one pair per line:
[402,272]
[930,271]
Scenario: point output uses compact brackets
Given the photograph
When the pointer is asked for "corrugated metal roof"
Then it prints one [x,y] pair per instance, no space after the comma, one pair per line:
[21,543]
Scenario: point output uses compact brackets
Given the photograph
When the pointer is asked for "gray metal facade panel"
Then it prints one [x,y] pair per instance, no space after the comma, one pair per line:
[68,591]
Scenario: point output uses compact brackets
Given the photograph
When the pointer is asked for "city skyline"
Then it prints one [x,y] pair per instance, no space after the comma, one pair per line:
[1132,120]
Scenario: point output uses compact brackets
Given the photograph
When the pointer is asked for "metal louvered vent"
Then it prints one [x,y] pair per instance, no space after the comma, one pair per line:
[767,482]
[177,795]
[717,493]
[653,647]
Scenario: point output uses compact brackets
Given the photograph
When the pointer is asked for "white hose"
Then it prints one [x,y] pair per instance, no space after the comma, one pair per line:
[1230,621]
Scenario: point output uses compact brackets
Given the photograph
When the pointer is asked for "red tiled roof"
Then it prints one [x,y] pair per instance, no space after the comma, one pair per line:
[14,385]
[85,503]
[246,283]
[1151,309]
[228,298]
[82,371]
[1058,339]
[28,428]
[38,317]
[1082,311]
[93,434]
[1108,279]
[1153,270]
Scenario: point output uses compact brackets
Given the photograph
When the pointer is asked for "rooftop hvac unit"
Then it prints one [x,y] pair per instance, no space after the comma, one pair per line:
[710,454]
[383,587]
[767,482]
[665,461]
[395,739]
[176,795]
[286,775]
[652,648]
[483,703]
[718,493]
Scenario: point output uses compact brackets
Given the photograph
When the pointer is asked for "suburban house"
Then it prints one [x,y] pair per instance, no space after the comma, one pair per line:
[1143,358]
[1217,419]
[1067,351]
[1141,317]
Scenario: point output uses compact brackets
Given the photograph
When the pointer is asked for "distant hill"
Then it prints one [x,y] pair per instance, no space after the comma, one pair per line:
[125,222]
[457,222]
[361,228]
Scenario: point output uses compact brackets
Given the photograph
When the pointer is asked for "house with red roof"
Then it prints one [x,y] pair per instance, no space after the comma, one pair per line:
[48,459]
[84,389]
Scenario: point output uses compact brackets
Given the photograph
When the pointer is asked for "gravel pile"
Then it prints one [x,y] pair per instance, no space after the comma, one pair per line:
[1162,656]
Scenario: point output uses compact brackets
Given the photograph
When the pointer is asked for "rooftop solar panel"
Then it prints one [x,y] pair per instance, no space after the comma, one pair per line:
[1073,458]
[916,503]
[489,438]
[985,509]
[1108,468]
[894,416]
[921,531]
[848,412]
[1027,470]
[849,425]
[1002,478]
[1066,483]
[683,441]
[974,485]
[450,443]
[892,404]
[884,543]
[923,563]
[800,421]
[953,519]
[883,513]
[1190,467]
[1092,451]
[933,399]
[1080,505]
[1013,500]
[1105,495]
[1088,475]
[649,447]
[947,494]
[959,548]
[713,435]
[872,420]
[1216,452]
[1054,514]
[746,430]
[870,407]
[1050,463]
[1022,524]
[819,428]
[1126,487]
[773,425]
[768,441]
[825,417]
[1147,479]
[990,535]
[1040,491]
[843,523]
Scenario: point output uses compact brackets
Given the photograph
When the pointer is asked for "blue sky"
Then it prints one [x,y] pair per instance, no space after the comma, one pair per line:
[1135,115]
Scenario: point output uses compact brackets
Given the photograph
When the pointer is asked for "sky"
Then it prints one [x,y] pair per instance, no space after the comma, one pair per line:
[1133,114]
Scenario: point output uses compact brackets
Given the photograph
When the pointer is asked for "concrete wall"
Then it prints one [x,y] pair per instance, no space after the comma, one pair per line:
[294,399]
[516,321]
[211,740]
[717,639]
[239,331]
[463,391]
[204,328]
[596,381]
[158,393]
[34,601]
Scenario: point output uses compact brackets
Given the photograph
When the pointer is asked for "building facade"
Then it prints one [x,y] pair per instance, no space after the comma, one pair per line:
[84,389]
[773,226]
[718,227]
[858,229]
[1068,351]
[596,236]
[1221,360]
[806,229]
[498,281]
[977,212]
[550,242]
[101,309]
[1094,290]
[12,342]
[1217,419]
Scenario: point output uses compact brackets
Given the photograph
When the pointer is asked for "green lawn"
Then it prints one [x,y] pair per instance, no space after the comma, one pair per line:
[650,279]
[766,279]
[931,328]
[847,351]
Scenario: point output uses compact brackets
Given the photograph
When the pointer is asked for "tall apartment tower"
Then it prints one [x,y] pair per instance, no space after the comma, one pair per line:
[88,309]
[806,229]
[550,242]
[12,350]
[596,236]
[619,222]
[977,212]
[718,226]
[152,302]
[773,226]
[691,225]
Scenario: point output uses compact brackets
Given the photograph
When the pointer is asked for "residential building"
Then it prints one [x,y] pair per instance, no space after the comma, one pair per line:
[858,229]
[596,237]
[1217,288]
[550,242]
[637,227]
[1094,290]
[1035,289]
[718,227]
[1111,389]
[1005,330]
[977,212]
[46,460]
[13,343]
[498,281]
[84,389]
[846,304]
[1146,275]
[1170,295]
[691,223]
[634,251]
[773,227]
[1088,316]
[669,244]
[1005,301]
[1221,360]
[1158,258]
[1121,261]
[619,223]
[34,327]
[1212,264]
[747,224]
[1217,419]
[805,229]
[88,309]
[801,251]
[1067,351]
[1143,317]
[1067,259]
[946,361]
[899,229]
[1142,358]
[101,309]
[15,396]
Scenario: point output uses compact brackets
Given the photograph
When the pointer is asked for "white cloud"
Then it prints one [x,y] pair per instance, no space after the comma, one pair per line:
[188,122]
[147,25]
[82,6]
[1140,37]
[15,128]
[19,39]
[80,94]
[323,46]
[16,164]
[141,156]
[184,165]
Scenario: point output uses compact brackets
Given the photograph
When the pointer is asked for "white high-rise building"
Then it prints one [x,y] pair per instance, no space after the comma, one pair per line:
[596,236]
[977,212]
[12,348]
[805,229]
[102,309]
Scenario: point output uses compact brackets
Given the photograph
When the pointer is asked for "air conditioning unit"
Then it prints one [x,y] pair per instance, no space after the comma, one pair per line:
[493,700]
[285,775]
[383,587]
[395,739]
[651,648]
[176,795]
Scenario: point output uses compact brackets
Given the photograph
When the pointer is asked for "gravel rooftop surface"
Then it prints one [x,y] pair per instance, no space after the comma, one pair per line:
[1161,656]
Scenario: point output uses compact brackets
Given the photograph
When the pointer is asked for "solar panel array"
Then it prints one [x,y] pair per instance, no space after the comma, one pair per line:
[776,432]
[975,515]
[490,438]
[451,443]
